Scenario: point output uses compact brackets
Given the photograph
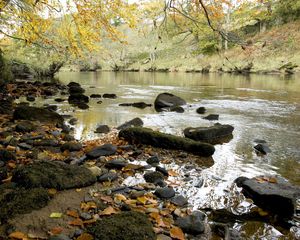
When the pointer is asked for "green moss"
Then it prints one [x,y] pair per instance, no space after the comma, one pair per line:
[5,70]
[124,226]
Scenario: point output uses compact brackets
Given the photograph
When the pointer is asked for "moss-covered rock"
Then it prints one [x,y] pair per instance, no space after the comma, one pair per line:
[56,175]
[124,226]
[37,114]
[21,201]
[168,141]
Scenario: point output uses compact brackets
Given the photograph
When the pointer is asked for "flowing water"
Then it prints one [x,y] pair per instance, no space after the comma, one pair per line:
[258,106]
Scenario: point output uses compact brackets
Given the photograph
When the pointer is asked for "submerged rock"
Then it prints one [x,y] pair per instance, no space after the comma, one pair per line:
[140,105]
[201,110]
[212,117]
[56,175]
[215,134]
[102,129]
[167,100]
[192,224]
[136,122]
[123,226]
[167,141]
[95,96]
[37,114]
[104,150]
[109,95]
[78,98]
[262,148]
[271,194]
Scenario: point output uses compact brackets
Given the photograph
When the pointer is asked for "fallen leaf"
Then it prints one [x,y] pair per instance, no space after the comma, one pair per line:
[52,191]
[108,211]
[76,222]
[85,236]
[56,215]
[73,213]
[56,231]
[142,199]
[272,180]
[177,233]
[120,197]
[172,173]
[17,235]
[107,199]
[87,206]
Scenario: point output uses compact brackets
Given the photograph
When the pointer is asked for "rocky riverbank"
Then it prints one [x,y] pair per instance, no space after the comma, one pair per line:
[114,187]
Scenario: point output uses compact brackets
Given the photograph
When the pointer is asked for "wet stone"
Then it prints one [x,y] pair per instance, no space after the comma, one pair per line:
[166,192]
[179,200]
[30,98]
[201,110]
[104,150]
[153,177]
[73,121]
[71,146]
[154,160]
[110,176]
[212,117]
[262,148]
[25,146]
[116,164]
[102,129]
[85,216]
[162,170]
[192,224]
[110,95]
[6,155]
[25,126]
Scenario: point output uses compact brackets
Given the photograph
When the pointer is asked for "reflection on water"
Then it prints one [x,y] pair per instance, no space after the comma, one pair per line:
[258,106]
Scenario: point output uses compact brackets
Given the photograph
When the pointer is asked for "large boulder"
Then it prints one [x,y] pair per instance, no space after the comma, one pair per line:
[271,194]
[56,175]
[167,100]
[167,141]
[123,226]
[215,134]
[37,114]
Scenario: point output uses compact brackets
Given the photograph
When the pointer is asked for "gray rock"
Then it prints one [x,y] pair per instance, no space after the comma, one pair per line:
[110,95]
[136,122]
[25,126]
[262,148]
[165,193]
[215,134]
[116,164]
[192,224]
[71,146]
[56,175]
[177,109]
[153,177]
[167,100]
[276,196]
[179,200]
[154,160]
[95,96]
[25,146]
[212,117]
[162,170]
[201,110]
[104,150]
[110,176]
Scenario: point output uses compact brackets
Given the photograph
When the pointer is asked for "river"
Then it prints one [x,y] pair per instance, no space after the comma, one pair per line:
[258,106]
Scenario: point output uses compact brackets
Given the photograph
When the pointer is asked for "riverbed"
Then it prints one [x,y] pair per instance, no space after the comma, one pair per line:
[258,106]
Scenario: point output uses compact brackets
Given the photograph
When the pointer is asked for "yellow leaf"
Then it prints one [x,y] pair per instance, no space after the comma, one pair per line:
[56,215]
[177,233]
[120,197]
[85,236]
[108,211]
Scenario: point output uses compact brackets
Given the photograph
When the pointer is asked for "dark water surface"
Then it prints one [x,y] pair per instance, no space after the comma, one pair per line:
[258,106]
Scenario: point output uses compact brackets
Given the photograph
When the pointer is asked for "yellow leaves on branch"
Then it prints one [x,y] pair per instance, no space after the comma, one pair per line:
[74,26]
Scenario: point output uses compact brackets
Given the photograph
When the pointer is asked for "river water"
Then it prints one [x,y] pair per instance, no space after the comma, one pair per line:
[258,106]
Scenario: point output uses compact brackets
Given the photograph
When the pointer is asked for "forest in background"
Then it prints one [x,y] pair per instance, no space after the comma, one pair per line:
[42,37]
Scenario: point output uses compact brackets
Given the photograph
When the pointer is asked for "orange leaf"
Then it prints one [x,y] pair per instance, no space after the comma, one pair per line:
[17,235]
[177,233]
[76,222]
[73,213]
[107,199]
[173,173]
[108,211]
[56,231]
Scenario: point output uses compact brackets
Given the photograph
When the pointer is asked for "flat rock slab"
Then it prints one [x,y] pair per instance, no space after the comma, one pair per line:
[123,226]
[215,134]
[56,175]
[167,141]
[104,150]
[37,114]
[274,195]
